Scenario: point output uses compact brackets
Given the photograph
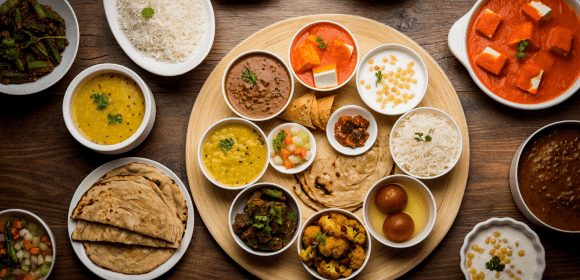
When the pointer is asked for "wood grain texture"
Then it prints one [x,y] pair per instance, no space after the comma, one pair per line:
[41,164]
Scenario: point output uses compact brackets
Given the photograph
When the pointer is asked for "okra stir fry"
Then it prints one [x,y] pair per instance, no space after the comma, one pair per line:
[32,39]
[25,250]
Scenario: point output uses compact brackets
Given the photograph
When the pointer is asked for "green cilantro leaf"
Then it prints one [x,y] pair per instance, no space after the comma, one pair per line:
[521,48]
[319,39]
[428,137]
[495,264]
[101,100]
[11,54]
[277,142]
[249,76]
[321,42]
[379,76]
[114,119]
[319,238]
[277,215]
[8,42]
[147,12]
[226,144]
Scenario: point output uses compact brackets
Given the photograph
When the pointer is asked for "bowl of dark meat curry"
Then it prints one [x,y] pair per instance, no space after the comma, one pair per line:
[257,85]
[545,175]
[39,40]
[265,219]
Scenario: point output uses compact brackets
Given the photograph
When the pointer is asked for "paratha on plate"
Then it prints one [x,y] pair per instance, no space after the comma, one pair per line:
[127,259]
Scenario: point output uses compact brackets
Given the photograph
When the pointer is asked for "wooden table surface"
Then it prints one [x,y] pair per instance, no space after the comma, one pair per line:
[41,164]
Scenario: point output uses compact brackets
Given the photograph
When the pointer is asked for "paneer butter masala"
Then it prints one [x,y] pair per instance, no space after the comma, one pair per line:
[525,51]
[323,55]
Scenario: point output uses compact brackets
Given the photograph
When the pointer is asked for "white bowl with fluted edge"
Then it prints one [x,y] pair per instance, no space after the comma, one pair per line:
[541,258]
[130,143]
[296,169]
[352,110]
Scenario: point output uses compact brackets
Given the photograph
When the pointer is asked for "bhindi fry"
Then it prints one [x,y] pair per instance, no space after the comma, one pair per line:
[32,38]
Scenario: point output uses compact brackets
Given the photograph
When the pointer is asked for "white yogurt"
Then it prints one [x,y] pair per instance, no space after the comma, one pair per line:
[409,86]
[522,267]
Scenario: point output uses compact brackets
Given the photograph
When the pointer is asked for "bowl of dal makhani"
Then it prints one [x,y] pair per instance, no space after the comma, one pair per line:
[233,153]
[109,109]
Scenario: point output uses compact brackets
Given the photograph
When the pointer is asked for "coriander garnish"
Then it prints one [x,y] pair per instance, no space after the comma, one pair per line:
[427,137]
[101,100]
[277,142]
[320,41]
[495,264]
[521,47]
[148,12]
[379,76]
[319,238]
[226,144]
[115,119]
[249,77]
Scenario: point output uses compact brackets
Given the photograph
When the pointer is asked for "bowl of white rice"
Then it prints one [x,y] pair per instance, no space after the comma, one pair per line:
[426,143]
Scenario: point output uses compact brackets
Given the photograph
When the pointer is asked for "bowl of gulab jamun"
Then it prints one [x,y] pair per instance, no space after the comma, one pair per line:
[399,211]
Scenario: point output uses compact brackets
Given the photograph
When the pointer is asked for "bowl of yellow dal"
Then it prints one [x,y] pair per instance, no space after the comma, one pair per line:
[233,153]
[109,109]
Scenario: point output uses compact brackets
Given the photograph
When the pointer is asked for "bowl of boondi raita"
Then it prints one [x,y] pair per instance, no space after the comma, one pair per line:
[109,109]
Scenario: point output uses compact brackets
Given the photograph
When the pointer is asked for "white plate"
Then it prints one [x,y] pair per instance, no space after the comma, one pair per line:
[69,54]
[158,67]
[86,185]
[301,167]
[352,110]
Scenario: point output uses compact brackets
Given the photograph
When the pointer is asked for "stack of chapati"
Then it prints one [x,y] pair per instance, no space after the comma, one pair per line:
[131,220]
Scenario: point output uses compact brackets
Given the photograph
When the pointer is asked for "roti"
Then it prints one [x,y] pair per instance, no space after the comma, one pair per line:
[127,259]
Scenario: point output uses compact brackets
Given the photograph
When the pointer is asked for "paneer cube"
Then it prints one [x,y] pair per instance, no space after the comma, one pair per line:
[522,32]
[530,78]
[306,57]
[491,61]
[488,23]
[537,11]
[341,51]
[561,40]
[325,76]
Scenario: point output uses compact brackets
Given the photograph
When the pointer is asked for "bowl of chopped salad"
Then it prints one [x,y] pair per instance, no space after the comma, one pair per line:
[292,148]
[27,246]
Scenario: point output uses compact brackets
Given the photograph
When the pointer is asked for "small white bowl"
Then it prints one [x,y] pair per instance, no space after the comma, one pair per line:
[130,143]
[257,52]
[519,226]
[209,131]
[6,214]
[401,180]
[352,110]
[435,111]
[370,99]
[238,207]
[356,48]
[514,182]
[301,167]
[366,246]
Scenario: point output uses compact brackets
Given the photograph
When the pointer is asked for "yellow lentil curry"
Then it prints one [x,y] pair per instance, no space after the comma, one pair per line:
[108,108]
[235,154]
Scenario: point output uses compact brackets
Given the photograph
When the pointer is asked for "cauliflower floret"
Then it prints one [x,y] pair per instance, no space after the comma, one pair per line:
[357,257]
[332,224]
[331,270]
[310,234]
[307,255]
[333,246]
[354,231]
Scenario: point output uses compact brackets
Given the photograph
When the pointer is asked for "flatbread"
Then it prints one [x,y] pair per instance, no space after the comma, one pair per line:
[314,113]
[298,110]
[127,259]
[324,110]
[132,206]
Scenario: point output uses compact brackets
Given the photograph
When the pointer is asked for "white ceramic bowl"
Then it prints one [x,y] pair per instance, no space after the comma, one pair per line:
[63,8]
[238,208]
[371,99]
[402,180]
[519,226]
[352,110]
[158,67]
[457,41]
[435,111]
[142,132]
[301,167]
[514,185]
[366,246]
[6,214]
[355,47]
[257,52]
[209,131]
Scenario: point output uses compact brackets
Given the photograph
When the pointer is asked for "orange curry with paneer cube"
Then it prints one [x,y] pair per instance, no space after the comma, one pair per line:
[491,61]
[488,23]
[319,46]
[529,42]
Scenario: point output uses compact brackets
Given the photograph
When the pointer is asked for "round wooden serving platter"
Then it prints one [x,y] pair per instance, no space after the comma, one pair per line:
[213,203]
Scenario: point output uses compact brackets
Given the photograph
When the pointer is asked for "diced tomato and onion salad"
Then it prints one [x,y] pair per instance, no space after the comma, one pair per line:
[291,147]
[25,250]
